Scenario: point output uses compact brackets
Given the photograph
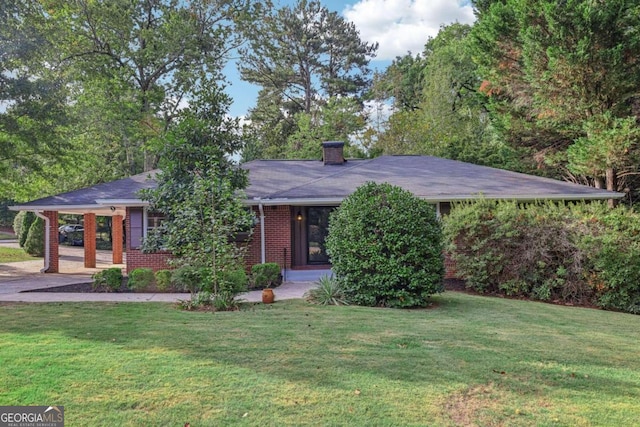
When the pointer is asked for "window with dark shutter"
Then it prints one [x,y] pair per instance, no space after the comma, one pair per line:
[136,220]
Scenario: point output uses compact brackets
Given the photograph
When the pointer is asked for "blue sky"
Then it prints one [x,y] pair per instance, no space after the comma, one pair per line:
[399,26]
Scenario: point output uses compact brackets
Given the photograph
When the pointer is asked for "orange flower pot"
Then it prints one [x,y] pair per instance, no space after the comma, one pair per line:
[268,296]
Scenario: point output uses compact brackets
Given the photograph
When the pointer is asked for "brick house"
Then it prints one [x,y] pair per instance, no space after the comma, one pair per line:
[292,200]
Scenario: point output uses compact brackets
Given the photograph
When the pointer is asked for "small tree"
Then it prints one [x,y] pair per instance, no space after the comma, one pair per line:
[386,247]
[199,191]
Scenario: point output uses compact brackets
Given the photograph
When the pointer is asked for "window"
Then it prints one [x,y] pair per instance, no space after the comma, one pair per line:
[141,222]
[153,220]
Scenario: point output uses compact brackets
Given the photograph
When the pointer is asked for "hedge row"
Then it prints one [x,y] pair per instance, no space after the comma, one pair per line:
[583,254]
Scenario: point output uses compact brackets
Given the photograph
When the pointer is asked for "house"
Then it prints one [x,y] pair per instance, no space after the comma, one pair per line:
[292,200]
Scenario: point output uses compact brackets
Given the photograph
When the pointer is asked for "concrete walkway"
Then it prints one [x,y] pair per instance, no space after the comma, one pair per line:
[18,277]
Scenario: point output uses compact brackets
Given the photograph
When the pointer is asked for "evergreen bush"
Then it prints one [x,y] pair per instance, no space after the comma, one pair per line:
[265,275]
[17,223]
[34,241]
[25,224]
[163,279]
[385,245]
[574,253]
[109,280]
[141,278]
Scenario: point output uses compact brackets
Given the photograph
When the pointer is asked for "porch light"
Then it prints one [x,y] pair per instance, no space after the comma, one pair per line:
[299,216]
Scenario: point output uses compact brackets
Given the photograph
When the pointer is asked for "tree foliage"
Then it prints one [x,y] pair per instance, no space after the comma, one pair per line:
[199,189]
[437,108]
[385,246]
[302,56]
[563,73]
[105,79]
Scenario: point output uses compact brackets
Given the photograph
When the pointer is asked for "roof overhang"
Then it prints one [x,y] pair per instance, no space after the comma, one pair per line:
[323,201]
[102,207]
[335,201]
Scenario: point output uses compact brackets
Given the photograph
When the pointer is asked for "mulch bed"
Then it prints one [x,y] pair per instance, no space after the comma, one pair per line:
[449,285]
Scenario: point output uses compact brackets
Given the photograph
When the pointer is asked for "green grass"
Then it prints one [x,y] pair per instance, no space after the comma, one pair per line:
[468,361]
[6,236]
[14,255]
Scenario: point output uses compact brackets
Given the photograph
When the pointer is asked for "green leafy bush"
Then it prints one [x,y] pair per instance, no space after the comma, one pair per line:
[109,280]
[233,281]
[265,275]
[141,278]
[575,253]
[327,292]
[163,279]
[34,242]
[613,268]
[189,278]
[385,245]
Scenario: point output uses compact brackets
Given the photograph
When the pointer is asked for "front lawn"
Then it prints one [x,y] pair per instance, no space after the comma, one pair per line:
[470,360]
[14,255]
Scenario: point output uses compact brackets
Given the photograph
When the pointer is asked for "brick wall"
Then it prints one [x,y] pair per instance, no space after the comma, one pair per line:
[449,267]
[277,228]
[155,261]
[136,259]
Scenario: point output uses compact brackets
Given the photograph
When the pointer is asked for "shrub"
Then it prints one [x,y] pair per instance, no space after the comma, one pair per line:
[34,241]
[198,300]
[199,281]
[224,301]
[141,278]
[265,275]
[327,292]
[518,250]
[575,253]
[233,281]
[108,280]
[385,245]
[614,271]
[163,279]
[189,278]
[22,230]
[17,223]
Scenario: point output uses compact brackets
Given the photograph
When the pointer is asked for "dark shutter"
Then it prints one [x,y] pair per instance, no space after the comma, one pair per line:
[136,219]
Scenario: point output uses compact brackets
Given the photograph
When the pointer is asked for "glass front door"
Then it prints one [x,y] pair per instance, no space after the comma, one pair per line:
[317,230]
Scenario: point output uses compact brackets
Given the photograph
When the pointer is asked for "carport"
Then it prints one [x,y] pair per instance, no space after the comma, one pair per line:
[107,199]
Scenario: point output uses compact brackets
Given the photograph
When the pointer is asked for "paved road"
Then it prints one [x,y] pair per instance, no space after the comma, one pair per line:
[18,277]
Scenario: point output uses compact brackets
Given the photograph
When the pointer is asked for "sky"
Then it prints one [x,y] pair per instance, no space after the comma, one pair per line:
[399,26]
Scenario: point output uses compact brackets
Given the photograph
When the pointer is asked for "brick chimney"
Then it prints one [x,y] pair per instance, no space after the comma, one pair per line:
[333,153]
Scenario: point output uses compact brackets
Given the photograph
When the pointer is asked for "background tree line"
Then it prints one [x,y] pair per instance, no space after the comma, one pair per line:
[93,91]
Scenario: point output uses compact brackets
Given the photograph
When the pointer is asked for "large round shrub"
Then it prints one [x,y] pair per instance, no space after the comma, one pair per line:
[385,245]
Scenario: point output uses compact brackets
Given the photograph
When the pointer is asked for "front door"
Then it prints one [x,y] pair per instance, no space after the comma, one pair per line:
[311,226]
[317,231]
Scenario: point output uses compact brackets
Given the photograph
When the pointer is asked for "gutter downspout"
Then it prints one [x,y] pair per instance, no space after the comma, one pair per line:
[47,229]
[263,250]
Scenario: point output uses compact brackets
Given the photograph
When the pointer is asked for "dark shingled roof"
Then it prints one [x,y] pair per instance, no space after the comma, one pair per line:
[311,182]
[428,177]
[86,198]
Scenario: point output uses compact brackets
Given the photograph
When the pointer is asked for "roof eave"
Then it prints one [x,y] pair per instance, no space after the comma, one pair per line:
[331,201]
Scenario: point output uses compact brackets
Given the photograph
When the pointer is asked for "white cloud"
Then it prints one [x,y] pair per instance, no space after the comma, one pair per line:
[404,25]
